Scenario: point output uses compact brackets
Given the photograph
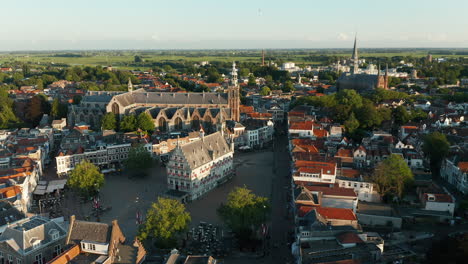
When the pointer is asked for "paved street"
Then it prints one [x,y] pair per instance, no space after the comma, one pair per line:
[254,170]
[264,172]
[281,222]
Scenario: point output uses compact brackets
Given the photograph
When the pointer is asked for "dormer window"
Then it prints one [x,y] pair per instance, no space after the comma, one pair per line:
[54,234]
[35,242]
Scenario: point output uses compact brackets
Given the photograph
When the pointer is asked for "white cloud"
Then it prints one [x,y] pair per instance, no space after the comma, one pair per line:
[342,36]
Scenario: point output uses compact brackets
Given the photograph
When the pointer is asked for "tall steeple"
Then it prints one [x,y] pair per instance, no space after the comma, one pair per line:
[130,85]
[234,74]
[233,94]
[354,57]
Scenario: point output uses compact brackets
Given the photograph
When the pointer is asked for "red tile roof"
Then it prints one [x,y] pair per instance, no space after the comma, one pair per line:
[350,173]
[9,192]
[320,133]
[342,152]
[304,125]
[330,166]
[348,238]
[303,210]
[463,166]
[440,197]
[346,261]
[246,109]
[259,115]
[326,190]
[336,213]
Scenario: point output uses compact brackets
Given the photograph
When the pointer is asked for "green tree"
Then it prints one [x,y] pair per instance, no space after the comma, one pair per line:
[139,159]
[128,123]
[243,72]
[58,110]
[436,147]
[351,124]
[137,59]
[265,91]
[350,98]
[145,122]
[109,122]
[368,116]
[86,178]
[244,212]
[288,87]
[400,115]
[36,108]
[26,70]
[392,176]
[165,220]
[77,99]
[251,81]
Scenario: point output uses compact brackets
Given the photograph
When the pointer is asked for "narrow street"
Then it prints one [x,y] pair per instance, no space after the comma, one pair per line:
[281,220]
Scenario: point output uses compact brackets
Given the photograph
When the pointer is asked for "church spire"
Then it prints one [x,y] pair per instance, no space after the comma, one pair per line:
[234,74]
[355,50]
[354,57]
[130,85]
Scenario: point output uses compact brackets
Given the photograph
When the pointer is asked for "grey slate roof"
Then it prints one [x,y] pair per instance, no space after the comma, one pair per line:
[8,213]
[90,231]
[21,235]
[142,97]
[200,152]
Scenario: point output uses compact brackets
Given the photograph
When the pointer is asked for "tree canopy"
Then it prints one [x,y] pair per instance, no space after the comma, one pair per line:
[265,91]
[128,123]
[436,146]
[86,178]
[392,176]
[37,107]
[58,110]
[139,159]
[145,122]
[109,122]
[244,212]
[164,221]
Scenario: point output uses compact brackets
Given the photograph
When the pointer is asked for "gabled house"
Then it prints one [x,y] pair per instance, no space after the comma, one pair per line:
[32,240]
[93,242]
[455,172]
[360,156]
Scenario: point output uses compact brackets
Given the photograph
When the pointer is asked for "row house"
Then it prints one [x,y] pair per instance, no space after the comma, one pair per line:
[455,172]
[163,148]
[93,242]
[33,240]
[314,171]
[199,166]
[332,195]
[258,132]
[18,181]
[106,156]
[449,120]
[435,198]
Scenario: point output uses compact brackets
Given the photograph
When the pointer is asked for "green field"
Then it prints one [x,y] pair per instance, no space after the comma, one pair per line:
[124,59]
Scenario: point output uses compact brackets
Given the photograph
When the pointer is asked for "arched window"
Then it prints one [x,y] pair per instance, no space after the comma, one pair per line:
[115,109]
[195,123]
[208,124]
[162,124]
[178,124]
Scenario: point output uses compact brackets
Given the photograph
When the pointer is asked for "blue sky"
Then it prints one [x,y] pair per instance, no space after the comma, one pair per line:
[220,24]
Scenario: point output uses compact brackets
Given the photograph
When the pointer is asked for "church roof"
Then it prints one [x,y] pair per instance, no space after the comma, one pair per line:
[142,97]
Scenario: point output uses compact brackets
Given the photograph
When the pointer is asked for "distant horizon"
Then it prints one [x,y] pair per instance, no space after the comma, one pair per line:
[233,49]
[54,25]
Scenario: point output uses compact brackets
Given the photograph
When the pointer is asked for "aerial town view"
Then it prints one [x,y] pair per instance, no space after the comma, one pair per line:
[213,132]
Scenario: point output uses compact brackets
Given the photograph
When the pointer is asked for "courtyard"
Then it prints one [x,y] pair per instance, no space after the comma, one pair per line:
[127,196]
